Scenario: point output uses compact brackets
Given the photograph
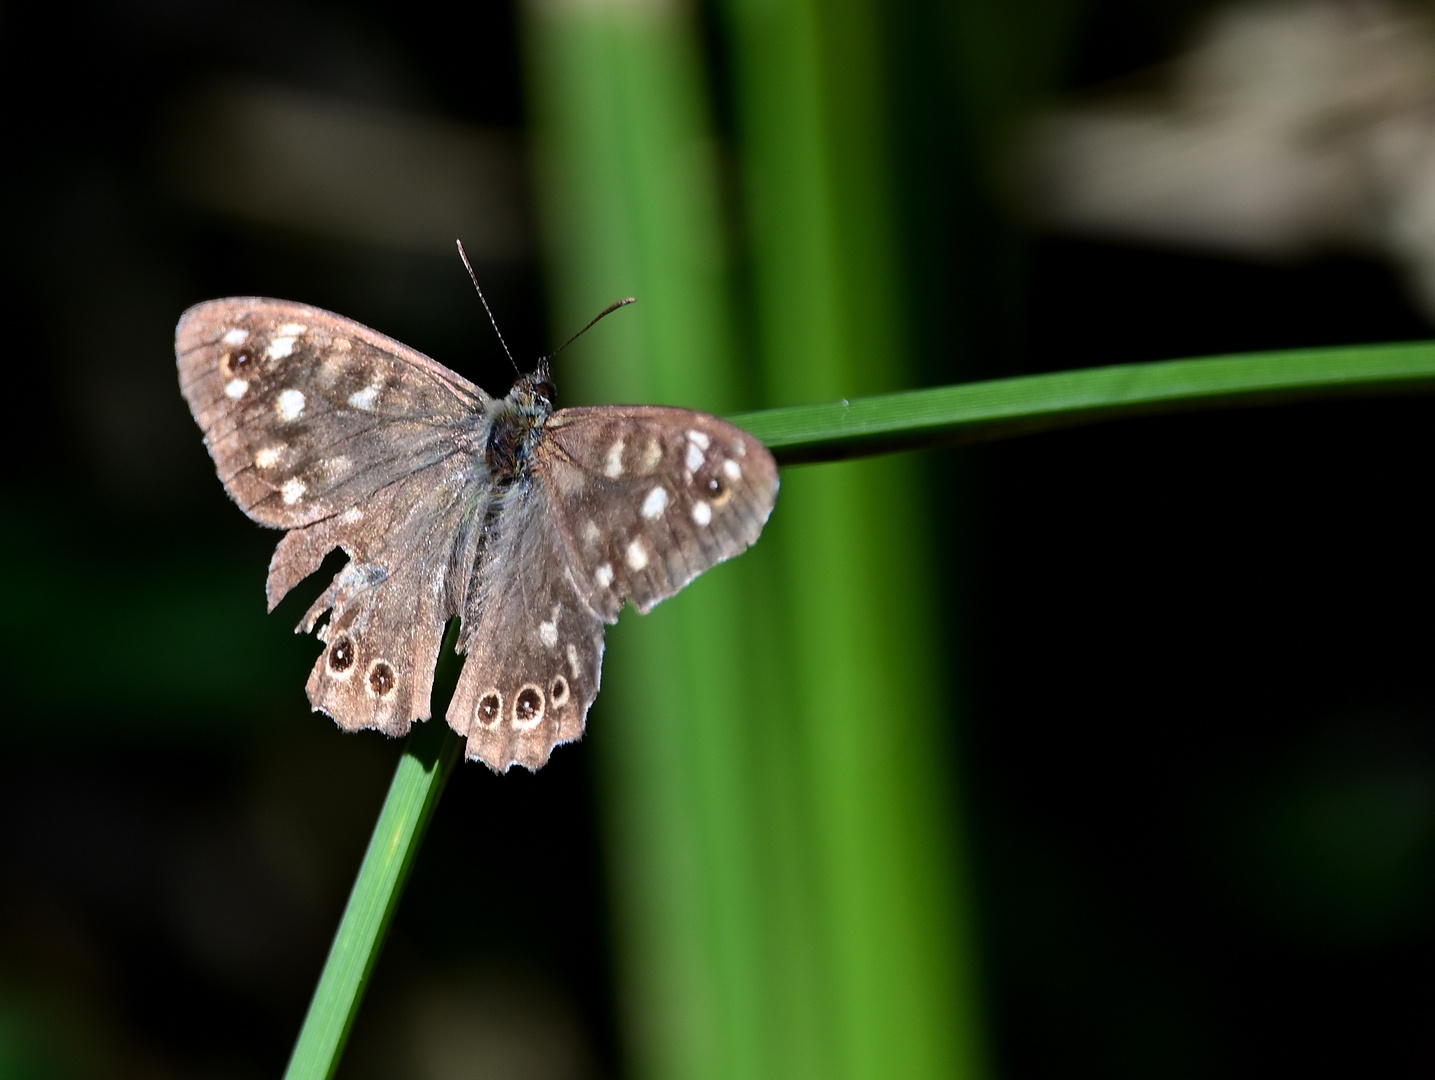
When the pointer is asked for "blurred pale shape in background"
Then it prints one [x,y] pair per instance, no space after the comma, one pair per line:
[1286,129]
[486,1023]
[284,158]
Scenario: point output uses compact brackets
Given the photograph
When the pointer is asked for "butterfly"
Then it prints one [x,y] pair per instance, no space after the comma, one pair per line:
[530,524]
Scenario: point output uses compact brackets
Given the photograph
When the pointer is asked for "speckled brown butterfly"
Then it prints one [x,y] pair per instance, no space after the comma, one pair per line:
[533,526]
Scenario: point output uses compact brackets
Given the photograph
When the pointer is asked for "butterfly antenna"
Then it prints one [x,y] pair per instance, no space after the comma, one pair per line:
[614,306]
[482,300]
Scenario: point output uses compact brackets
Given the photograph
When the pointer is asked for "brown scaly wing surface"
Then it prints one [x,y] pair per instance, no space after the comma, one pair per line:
[306,412]
[646,498]
[625,503]
[352,440]
[535,650]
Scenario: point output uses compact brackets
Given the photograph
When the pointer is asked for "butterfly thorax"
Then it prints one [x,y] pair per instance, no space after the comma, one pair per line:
[515,427]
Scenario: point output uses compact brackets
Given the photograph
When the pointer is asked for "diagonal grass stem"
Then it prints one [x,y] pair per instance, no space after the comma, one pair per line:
[1002,408]
[428,758]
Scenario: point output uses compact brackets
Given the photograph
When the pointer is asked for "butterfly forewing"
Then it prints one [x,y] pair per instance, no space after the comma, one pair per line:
[645,498]
[535,650]
[306,413]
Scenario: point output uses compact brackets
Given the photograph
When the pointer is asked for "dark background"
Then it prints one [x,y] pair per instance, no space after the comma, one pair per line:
[1199,756]
[179,831]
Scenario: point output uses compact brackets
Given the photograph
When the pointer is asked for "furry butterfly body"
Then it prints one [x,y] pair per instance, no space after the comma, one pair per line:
[533,526]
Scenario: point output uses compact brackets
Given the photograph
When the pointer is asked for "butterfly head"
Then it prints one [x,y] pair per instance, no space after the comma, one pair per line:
[535,388]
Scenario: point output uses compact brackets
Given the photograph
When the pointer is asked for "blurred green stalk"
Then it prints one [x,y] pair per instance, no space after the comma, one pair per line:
[781,849]
[875,685]
[627,180]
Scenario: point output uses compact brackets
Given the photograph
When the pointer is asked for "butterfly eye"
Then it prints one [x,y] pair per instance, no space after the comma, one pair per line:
[381,678]
[341,656]
[558,692]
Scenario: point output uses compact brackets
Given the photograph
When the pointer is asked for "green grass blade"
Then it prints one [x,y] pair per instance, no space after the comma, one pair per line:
[1001,408]
[871,969]
[429,756]
[631,196]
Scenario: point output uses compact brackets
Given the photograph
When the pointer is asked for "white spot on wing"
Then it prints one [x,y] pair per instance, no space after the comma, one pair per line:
[733,469]
[573,661]
[293,491]
[655,503]
[351,515]
[695,457]
[590,532]
[290,405]
[268,457]
[603,575]
[699,438]
[365,398]
[613,463]
[279,348]
[235,388]
[237,336]
[548,634]
[702,512]
[292,329]
[637,555]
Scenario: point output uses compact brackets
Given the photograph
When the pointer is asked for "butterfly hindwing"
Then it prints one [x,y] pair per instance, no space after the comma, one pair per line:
[645,498]
[410,547]
[535,650]
[307,413]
